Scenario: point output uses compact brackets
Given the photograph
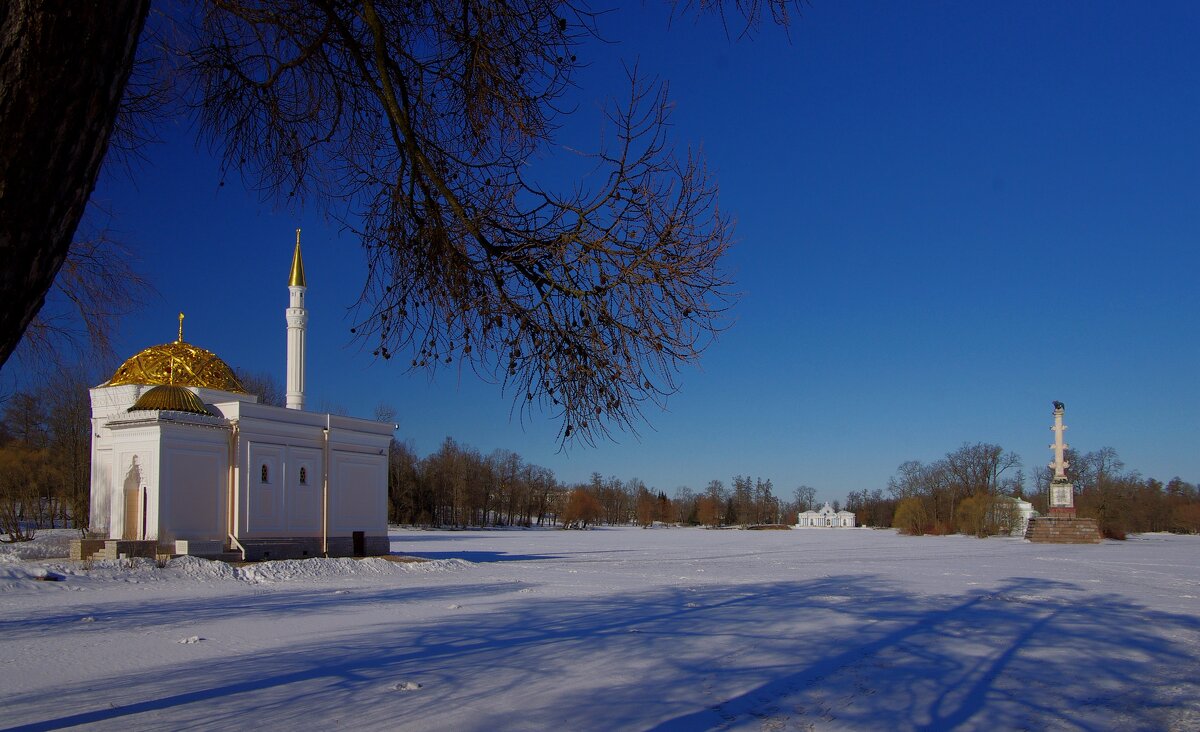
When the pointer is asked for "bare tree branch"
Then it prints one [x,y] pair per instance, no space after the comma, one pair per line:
[97,285]
[419,124]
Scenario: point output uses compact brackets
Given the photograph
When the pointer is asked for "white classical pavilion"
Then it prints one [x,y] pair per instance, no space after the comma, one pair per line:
[1020,512]
[825,518]
[183,457]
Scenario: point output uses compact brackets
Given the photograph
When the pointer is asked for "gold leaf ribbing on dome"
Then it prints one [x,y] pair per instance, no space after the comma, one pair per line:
[297,277]
[170,398]
[177,364]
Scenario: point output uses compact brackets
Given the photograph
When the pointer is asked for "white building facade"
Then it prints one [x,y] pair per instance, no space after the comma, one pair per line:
[183,457]
[826,517]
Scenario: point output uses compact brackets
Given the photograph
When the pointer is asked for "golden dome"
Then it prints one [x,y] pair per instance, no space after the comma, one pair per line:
[179,363]
[172,398]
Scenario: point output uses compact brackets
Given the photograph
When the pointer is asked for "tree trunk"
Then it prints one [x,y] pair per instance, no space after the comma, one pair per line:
[63,68]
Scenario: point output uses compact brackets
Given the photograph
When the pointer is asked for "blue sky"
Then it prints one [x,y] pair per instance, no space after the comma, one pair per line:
[949,214]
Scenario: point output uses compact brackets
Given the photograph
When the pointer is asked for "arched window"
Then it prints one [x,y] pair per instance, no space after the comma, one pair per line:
[303,475]
[265,475]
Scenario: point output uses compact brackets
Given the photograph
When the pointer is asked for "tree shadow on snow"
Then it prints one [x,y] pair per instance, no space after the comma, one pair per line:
[250,601]
[849,652]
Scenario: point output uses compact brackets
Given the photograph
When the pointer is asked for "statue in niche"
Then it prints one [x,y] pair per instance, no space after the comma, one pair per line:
[132,494]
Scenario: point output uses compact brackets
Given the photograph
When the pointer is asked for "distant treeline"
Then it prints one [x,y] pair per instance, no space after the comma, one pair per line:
[45,441]
[963,493]
[458,486]
[45,458]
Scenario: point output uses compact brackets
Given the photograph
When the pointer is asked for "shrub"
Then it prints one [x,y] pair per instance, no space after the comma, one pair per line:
[971,516]
[911,517]
[582,509]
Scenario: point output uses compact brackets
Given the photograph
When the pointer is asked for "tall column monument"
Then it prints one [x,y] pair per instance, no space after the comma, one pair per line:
[1062,493]
[1062,526]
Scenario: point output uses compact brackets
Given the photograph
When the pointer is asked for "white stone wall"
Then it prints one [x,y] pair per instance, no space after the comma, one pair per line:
[193,482]
[135,471]
[288,440]
[181,486]
[358,490]
[107,403]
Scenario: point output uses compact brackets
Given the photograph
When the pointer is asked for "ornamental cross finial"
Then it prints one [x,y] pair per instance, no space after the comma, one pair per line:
[297,237]
[180,328]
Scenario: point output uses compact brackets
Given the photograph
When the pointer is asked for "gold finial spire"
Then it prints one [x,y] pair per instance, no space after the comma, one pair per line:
[297,277]
[180,339]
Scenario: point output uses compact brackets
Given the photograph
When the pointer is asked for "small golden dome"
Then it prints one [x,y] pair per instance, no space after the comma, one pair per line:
[172,398]
[179,363]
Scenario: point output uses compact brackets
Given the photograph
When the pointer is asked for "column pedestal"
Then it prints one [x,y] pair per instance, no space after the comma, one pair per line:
[1055,529]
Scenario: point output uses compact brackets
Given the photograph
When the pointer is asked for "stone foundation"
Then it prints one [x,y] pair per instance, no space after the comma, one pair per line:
[115,549]
[86,548]
[304,547]
[1063,530]
[373,546]
[257,550]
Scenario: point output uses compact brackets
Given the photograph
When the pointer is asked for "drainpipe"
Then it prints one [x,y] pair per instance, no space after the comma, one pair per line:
[325,492]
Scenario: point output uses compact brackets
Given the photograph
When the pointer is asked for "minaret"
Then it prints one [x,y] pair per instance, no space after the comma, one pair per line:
[297,324]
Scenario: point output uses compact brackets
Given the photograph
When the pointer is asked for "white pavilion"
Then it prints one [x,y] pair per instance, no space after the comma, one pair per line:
[826,517]
[184,461]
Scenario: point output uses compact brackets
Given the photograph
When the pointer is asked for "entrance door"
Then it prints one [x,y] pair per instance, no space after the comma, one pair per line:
[133,518]
[132,501]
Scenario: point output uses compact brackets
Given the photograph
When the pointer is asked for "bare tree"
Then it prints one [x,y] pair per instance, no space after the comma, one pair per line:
[708,511]
[582,509]
[69,412]
[97,285]
[806,497]
[645,503]
[27,475]
[976,469]
[418,126]
[585,302]
[264,385]
[408,501]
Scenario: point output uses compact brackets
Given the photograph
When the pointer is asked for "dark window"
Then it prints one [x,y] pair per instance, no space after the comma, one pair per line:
[303,476]
[265,474]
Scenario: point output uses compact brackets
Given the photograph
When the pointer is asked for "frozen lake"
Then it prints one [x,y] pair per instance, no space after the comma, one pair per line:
[630,629]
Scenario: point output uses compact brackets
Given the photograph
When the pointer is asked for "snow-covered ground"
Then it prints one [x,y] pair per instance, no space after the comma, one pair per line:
[616,629]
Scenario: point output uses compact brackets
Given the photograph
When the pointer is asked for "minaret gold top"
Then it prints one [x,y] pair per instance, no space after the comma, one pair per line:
[297,277]
[180,338]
